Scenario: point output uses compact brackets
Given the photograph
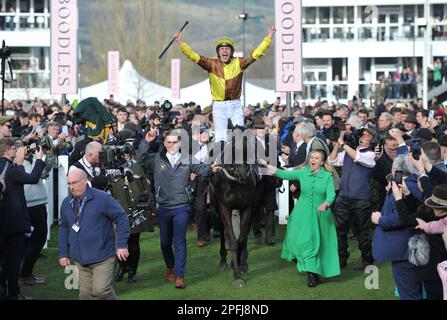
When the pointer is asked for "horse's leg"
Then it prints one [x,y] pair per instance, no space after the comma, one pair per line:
[223,265]
[225,215]
[243,237]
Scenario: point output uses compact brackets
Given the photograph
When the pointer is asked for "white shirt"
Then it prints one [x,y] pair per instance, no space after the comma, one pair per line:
[366,159]
[120,126]
[88,167]
[202,154]
[173,158]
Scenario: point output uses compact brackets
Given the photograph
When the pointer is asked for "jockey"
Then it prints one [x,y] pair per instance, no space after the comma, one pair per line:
[225,74]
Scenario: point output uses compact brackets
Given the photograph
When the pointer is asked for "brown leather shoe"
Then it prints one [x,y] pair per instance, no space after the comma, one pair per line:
[201,243]
[33,281]
[180,283]
[170,276]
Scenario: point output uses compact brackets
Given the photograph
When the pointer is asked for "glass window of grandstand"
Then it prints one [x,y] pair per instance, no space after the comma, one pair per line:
[324,33]
[339,15]
[324,13]
[350,14]
[310,15]
[409,14]
[39,6]
[339,33]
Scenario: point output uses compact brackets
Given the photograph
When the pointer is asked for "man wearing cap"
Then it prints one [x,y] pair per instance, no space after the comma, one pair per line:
[410,125]
[225,75]
[355,192]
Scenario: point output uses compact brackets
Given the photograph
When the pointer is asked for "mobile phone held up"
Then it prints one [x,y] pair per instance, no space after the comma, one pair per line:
[398,177]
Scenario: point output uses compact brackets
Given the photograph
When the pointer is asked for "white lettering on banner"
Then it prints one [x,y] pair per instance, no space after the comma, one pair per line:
[64,49]
[113,72]
[288,46]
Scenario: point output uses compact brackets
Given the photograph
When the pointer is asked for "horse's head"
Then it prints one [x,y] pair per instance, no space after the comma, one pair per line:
[238,167]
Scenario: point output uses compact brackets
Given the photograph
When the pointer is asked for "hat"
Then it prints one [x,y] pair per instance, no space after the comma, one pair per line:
[154,116]
[224,42]
[4,119]
[203,127]
[439,198]
[411,118]
[258,123]
[440,112]
[207,110]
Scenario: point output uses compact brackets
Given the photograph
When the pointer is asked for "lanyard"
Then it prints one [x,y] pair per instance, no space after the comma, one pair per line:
[78,212]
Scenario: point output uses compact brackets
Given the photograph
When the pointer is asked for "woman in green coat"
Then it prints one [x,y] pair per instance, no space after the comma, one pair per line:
[311,237]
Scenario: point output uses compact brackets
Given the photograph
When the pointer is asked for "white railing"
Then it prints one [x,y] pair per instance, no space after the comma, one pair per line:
[30,79]
[20,21]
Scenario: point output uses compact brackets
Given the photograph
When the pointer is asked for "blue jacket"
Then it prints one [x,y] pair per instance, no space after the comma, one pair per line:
[390,242]
[356,179]
[95,241]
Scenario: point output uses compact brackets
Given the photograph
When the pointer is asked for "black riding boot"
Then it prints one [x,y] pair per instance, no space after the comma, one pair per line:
[121,271]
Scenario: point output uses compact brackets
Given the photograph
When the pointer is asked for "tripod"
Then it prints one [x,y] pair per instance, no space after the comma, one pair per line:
[5,53]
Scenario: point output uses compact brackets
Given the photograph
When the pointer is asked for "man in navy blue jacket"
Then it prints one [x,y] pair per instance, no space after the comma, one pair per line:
[14,218]
[353,203]
[86,234]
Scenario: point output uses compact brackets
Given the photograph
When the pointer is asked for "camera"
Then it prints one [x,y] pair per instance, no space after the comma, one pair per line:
[112,156]
[415,149]
[398,177]
[5,52]
[333,133]
[166,106]
[352,137]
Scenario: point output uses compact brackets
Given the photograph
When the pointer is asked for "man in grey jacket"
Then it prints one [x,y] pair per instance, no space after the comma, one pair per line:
[36,200]
[172,175]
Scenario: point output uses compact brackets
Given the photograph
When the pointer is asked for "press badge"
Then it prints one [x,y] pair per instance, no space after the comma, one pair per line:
[75,227]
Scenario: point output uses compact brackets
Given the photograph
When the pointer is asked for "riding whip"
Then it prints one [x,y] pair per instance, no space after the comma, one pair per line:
[172,41]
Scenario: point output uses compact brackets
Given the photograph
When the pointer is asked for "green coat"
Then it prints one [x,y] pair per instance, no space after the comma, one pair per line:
[311,237]
[138,187]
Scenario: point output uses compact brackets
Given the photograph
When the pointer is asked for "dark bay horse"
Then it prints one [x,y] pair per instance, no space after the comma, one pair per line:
[234,189]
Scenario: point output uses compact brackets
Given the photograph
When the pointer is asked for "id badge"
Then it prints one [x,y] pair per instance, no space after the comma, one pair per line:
[75,227]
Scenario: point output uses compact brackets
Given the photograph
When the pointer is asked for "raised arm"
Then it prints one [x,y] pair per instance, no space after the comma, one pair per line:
[260,51]
[186,50]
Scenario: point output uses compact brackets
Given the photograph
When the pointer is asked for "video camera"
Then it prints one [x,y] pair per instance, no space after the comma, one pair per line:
[112,156]
[351,138]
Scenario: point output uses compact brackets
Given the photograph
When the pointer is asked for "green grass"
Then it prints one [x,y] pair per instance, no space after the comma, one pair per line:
[269,277]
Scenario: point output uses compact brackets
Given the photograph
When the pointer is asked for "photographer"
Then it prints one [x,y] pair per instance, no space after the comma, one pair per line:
[36,200]
[131,190]
[358,162]
[14,218]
